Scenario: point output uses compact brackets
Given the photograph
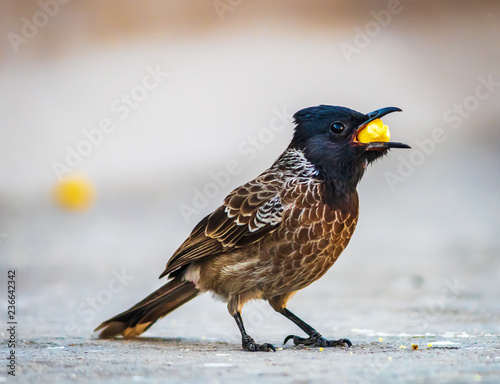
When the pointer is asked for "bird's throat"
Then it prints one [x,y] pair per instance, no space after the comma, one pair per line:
[340,185]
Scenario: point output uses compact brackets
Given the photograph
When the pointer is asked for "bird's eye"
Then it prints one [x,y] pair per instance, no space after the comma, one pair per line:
[337,127]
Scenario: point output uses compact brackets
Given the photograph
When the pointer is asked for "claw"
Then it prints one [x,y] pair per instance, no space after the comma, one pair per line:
[250,345]
[297,340]
[340,342]
[267,347]
[318,340]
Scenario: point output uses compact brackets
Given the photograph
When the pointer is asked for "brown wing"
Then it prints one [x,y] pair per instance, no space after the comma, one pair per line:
[248,214]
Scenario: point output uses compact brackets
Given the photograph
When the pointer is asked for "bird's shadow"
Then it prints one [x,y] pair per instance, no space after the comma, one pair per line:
[210,345]
[172,341]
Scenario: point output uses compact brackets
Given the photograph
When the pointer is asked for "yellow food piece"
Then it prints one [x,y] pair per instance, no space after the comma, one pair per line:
[380,339]
[414,346]
[375,131]
[74,193]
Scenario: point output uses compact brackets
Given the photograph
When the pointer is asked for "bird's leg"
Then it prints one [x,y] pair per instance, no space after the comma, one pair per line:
[314,338]
[247,342]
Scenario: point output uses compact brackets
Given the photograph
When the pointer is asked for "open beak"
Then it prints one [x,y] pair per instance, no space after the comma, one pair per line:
[379,113]
[377,145]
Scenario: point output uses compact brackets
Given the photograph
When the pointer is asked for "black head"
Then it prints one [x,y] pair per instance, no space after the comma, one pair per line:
[328,137]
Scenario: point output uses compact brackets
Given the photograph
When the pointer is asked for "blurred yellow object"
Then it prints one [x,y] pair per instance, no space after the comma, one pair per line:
[74,193]
[374,131]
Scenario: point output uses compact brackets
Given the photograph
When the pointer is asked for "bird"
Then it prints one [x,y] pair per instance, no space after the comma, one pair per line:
[275,234]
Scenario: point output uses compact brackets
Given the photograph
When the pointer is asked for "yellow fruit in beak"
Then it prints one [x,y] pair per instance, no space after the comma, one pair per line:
[375,131]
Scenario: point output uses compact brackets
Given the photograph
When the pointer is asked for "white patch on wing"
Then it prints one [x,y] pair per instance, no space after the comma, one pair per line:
[290,169]
[268,213]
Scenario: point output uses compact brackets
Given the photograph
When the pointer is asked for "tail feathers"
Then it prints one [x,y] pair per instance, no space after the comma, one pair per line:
[144,314]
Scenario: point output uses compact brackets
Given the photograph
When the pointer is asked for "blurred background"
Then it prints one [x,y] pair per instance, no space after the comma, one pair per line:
[165,107]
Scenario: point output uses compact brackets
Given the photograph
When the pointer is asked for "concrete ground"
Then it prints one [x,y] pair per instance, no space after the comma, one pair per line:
[448,310]
[423,266]
[188,360]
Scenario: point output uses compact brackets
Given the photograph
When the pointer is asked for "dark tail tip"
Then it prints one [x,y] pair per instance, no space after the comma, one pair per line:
[144,314]
[111,329]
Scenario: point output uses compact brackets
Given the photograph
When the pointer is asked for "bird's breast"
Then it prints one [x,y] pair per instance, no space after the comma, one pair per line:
[312,236]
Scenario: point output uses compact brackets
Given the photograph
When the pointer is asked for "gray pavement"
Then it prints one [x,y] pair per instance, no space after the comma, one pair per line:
[423,266]
[188,360]
[449,310]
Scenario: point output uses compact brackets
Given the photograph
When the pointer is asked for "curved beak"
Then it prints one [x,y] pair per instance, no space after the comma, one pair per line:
[377,114]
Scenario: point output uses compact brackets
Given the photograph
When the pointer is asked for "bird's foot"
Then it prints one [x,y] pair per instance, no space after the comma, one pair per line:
[249,344]
[318,341]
